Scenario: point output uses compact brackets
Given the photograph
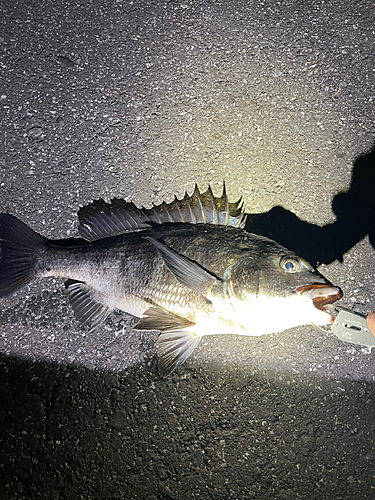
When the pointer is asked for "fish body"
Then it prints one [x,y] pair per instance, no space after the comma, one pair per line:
[187,269]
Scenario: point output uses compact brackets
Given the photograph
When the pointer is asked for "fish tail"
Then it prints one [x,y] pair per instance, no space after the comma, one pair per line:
[19,246]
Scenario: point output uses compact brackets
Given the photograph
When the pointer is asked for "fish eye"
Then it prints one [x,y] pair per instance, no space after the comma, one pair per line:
[289,265]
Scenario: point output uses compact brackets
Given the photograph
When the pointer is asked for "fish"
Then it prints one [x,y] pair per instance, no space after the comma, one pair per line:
[187,268]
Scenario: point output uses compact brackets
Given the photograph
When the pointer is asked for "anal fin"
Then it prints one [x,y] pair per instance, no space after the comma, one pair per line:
[86,305]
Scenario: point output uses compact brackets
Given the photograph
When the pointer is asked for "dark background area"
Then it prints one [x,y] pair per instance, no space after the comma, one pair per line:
[78,433]
[141,100]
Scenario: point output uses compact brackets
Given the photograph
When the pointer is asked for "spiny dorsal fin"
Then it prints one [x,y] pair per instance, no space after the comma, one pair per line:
[121,217]
[199,208]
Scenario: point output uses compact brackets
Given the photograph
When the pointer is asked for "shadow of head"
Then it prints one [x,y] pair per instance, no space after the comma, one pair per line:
[354,209]
[357,205]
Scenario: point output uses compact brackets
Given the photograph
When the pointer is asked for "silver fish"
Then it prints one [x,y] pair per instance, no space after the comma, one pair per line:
[186,269]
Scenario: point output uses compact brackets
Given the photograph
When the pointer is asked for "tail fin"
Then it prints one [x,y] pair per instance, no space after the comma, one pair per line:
[18,248]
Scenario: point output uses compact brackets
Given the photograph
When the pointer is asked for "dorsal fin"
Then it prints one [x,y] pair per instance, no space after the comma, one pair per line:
[104,225]
[121,217]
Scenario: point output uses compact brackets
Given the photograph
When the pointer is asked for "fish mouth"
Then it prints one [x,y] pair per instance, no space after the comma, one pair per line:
[322,295]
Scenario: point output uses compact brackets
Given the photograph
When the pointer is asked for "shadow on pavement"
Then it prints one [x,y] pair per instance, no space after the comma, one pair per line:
[355,211]
[69,433]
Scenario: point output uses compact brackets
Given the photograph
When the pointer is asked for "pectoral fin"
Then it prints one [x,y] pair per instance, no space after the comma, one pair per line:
[187,272]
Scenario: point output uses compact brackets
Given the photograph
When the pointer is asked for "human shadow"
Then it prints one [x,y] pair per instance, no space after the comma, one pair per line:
[354,209]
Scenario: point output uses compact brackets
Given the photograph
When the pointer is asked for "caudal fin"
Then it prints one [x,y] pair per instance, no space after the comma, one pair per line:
[18,249]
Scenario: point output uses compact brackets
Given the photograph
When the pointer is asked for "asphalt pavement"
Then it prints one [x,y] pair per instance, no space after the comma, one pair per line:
[141,100]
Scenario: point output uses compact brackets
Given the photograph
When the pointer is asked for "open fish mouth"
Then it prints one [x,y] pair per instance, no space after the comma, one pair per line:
[321,294]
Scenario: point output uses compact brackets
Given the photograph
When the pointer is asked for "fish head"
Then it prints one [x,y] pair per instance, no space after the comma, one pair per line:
[274,289]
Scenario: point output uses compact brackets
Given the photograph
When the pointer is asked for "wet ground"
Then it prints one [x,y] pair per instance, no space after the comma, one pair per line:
[141,100]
